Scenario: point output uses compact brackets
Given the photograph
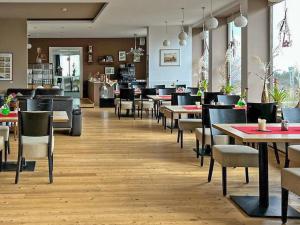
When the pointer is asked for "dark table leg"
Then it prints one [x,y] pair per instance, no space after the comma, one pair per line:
[263,175]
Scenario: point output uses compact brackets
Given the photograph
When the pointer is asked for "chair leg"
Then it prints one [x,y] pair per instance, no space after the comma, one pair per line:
[197,148]
[224,180]
[287,161]
[50,168]
[247,175]
[152,112]
[284,204]
[181,139]
[19,162]
[119,113]
[202,153]
[5,150]
[1,160]
[141,113]
[276,153]
[178,136]
[211,168]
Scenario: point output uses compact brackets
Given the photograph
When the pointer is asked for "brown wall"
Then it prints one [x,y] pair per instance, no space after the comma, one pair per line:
[101,47]
[13,39]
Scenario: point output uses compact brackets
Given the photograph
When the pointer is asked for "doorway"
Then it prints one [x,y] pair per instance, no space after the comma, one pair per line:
[68,69]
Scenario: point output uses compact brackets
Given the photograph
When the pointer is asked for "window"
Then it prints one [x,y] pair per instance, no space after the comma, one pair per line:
[235,51]
[205,55]
[286,63]
[70,65]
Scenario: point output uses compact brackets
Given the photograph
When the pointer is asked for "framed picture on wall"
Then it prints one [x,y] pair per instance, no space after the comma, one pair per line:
[170,57]
[6,66]
[109,70]
[122,56]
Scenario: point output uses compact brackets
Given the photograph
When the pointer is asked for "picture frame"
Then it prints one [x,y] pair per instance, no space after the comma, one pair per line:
[122,56]
[136,58]
[6,66]
[170,57]
[109,70]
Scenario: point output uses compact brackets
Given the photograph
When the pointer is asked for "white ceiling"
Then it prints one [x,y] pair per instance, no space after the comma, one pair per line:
[123,18]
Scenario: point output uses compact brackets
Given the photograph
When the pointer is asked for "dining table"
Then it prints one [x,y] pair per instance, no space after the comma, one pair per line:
[265,204]
[12,117]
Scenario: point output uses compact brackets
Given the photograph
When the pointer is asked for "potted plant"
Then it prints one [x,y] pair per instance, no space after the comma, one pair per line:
[5,109]
[278,95]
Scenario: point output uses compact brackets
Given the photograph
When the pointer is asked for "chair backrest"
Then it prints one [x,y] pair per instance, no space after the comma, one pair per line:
[123,85]
[211,96]
[291,114]
[23,91]
[35,124]
[174,97]
[159,86]
[57,92]
[205,112]
[180,86]
[140,86]
[166,91]
[185,100]
[228,99]
[147,91]
[226,116]
[36,105]
[127,94]
[261,110]
[192,90]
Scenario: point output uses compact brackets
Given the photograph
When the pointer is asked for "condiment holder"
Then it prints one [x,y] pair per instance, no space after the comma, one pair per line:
[262,125]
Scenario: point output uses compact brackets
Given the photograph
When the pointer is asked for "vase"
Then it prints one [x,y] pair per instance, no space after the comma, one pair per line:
[241,102]
[265,94]
[5,110]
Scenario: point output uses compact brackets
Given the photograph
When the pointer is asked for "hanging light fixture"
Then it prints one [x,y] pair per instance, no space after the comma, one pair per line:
[182,35]
[204,32]
[166,42]
[241,21]
[212,22]
[136,51]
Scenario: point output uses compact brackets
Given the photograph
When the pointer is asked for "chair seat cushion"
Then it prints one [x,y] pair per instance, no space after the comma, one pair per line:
[290,179]
[163,103]
[146,104]
[235,155]
[36,147]
[218,139]
[4,132]
[189,124]
[126,105]
[117,101]
[294,154]
[1,143]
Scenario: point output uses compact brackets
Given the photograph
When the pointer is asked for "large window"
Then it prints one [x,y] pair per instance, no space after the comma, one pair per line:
[286,63]
[234,51]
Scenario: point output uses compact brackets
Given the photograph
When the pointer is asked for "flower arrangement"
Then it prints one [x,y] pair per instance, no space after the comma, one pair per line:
[5,109]
[277,94]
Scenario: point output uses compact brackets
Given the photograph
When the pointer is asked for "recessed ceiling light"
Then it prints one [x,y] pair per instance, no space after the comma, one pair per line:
[64,9]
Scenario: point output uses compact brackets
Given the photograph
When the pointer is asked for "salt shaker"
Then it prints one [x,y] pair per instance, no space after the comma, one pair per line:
[284,125]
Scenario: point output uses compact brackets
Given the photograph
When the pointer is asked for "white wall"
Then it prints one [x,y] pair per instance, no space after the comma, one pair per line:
[168,74]
[196,53]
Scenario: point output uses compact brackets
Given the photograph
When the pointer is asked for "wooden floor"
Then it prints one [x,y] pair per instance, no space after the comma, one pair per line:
[126,172]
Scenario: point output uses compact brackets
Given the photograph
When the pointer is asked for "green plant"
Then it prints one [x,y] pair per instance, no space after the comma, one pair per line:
[228,89]
[278,95]
[204,85]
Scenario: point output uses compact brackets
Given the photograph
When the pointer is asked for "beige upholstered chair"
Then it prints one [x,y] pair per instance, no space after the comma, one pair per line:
[36,139]
[293,156]
[4,132]
[290,181]
[1,152]
[187,125]
[230,155]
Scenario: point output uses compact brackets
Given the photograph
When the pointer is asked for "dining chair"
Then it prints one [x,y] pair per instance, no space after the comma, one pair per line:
[228,99]
[292,153]
[267,111]
[166,91]
[180,86]
[162,104]
[203,133]
[192,90]
[1,153]
[188,124]
[145,103]
[127,101]
[211,96]
[4,139]
[35,139]
[290,181]
[229,155]
[39,104]
[159,86]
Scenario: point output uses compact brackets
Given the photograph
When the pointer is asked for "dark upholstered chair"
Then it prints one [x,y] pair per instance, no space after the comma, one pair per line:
[229,155]
[166,91]
[192,90]
[159,86]
[127,101]
[21,92]
[45,91]
[228,99]
[145,103]
[211,96]
[35,139]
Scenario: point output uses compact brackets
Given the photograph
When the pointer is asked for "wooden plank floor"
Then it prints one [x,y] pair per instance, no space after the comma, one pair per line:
[126,172]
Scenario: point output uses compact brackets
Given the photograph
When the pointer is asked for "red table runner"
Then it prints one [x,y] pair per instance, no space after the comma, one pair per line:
[11,114]
[270,130]
[165,97]
[241,108]
[192,107]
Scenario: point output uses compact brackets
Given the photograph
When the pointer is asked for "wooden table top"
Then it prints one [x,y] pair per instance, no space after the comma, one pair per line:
[58,117]
[160,97]
[258,138]
[181,109]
